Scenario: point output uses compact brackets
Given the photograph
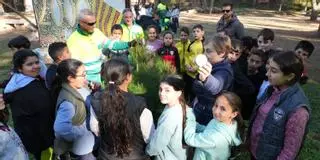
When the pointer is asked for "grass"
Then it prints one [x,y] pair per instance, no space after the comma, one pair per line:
[150,70]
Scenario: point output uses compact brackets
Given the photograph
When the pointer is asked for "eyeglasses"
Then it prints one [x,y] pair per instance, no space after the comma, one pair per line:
[89,24]
[226,11]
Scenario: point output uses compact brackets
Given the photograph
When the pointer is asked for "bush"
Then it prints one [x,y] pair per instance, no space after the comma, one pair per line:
[149,70]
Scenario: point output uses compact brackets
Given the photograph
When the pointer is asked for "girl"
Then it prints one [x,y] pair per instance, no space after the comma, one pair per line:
[168,52]
[215,76]
[31,104]
[223,131]
[279,121]
[167,142]
[11,146]
[153,43]
[125,122]
[74,118]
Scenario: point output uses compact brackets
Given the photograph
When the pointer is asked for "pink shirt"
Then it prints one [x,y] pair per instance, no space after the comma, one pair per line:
[153,46]
[294,131]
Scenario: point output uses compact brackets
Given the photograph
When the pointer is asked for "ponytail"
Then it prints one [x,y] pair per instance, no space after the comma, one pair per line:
[114,121]
[184,115]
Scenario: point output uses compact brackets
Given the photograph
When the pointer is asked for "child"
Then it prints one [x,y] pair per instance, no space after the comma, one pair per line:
[58,51]
[168,52]
[113,46]
[174,13]
[215,76]
[279,121]
[11,146]
[26,89]
[236,51]
[125,121]
[266,42]
[242,86]
[182,46]
[224,130]
[196,47]
[304,50]
[256,73]
[75,122]
[247,44]
[153,43]
[164,20]
[167,142]
[22,42]
[265,39]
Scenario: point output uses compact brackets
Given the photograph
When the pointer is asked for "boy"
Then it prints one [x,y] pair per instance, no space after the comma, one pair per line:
[22,42]
[256,73]
[242,86]
[304,50]
[58,51]
[113,46]
[182,46]
[195,48]
[265,42]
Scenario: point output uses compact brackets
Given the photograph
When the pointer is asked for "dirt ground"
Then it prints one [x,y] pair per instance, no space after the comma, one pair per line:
[289,29]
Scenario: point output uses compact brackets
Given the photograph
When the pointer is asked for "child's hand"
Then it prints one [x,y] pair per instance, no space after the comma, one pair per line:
[205,71]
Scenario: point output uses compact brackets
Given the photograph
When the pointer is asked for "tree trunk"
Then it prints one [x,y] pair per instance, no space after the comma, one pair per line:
[211,5]
[315,9]
[281,4]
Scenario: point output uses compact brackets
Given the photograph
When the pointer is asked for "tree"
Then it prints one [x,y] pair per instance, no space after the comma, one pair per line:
[315,9]
[211,5]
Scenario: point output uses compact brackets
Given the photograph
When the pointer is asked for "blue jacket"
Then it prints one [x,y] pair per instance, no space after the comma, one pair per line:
[166,142]
[77,135]
[213,141]
[221,78]
[272,138]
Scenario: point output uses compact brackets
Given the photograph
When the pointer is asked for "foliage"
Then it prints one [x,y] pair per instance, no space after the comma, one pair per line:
[149,70]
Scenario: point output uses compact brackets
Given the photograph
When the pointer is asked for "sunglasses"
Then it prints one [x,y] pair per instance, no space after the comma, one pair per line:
[226,11]
[89,24]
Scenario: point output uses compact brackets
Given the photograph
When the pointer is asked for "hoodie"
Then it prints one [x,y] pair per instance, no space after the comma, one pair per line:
[233,28]
[213,141]
[32,111]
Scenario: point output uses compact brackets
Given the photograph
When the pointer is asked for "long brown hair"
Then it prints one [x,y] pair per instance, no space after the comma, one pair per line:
[114,120]
[236,105]
[178,85]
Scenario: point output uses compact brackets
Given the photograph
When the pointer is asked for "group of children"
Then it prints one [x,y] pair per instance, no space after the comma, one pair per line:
[220,93]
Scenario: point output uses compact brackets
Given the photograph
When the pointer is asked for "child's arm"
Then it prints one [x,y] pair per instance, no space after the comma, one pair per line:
[63,126]
[203,139]
[214,83]
[294,133]
[114,44]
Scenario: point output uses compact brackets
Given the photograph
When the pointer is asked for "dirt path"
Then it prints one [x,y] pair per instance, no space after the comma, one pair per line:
[289,30]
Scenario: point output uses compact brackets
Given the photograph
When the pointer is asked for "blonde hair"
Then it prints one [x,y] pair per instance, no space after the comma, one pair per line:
[219,43]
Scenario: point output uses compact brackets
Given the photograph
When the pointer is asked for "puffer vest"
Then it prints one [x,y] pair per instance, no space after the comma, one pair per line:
[272,137]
